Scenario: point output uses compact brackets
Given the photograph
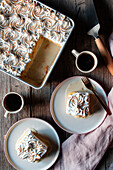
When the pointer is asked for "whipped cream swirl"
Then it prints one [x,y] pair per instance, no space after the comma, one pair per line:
[78,104]
[21,24]
[30,147]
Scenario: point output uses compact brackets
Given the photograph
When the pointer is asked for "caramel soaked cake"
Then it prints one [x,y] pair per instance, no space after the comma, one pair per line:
[78,104]
[25,25]
[30,147]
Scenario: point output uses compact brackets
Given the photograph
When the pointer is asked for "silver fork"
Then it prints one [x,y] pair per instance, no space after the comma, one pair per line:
[88,85]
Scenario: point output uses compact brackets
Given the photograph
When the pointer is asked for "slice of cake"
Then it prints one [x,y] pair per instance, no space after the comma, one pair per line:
[30,147]
[78,104]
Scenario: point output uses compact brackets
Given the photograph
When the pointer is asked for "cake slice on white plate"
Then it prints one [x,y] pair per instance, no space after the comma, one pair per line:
[30,147]
[77,104]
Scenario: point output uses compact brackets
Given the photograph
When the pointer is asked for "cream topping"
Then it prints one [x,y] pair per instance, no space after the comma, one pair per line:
[78,104]
[30,147]
[21,24]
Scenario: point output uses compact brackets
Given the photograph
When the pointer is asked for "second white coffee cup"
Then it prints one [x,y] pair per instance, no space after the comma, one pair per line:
[86,61]
[12,103]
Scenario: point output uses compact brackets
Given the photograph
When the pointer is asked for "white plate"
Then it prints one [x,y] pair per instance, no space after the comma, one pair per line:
[68,122]
[44,129]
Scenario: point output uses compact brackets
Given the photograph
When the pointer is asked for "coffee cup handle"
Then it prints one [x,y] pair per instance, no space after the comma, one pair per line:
[6,114]
[75,53]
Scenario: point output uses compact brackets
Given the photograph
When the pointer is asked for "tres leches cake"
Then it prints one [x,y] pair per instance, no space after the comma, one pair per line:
[30,147]
[77,104]
[31,36]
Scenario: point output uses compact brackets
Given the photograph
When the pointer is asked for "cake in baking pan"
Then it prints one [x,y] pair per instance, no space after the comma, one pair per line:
[30,147]
[31,37]
[77,104]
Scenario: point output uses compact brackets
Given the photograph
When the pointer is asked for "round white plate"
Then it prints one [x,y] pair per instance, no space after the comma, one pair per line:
[68,122]
[44,129]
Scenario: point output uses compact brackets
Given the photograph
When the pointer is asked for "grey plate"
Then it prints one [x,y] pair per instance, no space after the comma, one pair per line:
[68,122]
[44,129]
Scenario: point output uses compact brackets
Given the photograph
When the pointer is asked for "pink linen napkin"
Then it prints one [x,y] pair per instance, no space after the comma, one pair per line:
[83,152]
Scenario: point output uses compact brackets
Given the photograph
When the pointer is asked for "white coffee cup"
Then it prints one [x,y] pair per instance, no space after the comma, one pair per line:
[6,104]
[80,60]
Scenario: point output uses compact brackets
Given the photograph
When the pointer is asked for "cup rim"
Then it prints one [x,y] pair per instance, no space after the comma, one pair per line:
[95,61]
[16,111]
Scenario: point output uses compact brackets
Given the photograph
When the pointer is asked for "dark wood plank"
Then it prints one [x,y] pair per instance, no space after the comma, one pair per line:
[8,84]
[4,125]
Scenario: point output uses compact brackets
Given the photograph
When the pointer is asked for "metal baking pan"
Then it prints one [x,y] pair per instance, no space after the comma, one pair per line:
[53,29]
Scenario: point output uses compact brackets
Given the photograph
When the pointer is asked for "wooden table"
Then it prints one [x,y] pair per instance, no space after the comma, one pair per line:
[37,101]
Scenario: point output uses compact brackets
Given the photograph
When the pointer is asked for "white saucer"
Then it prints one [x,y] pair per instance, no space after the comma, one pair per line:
[44,129]
[68,122]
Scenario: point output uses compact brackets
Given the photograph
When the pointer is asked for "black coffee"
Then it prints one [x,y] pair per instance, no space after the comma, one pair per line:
[12,102]
[85,62]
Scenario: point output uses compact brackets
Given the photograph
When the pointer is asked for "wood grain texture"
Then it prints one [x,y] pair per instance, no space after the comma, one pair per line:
[37,102]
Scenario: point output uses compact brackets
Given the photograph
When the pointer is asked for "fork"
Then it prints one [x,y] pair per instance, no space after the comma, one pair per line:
[88,85]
